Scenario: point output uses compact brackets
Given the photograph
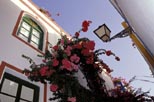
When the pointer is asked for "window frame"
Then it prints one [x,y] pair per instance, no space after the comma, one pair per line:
[21,83]
[30,34]
[45,36]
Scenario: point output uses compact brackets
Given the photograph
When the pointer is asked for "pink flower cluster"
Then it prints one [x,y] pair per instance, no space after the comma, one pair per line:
[55,62]
[71,99]
[66,64]
[68,50]
[75,58]
[53,87]
[45,71]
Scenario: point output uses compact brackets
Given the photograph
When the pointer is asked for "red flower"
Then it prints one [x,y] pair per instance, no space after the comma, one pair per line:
[108,53]
[85,29]
[77,46]
[75,67]
[71,99]
[55,47]
[50,72]
[53,87]
[90,45]
[77,34]
[55,62]
[66,64]
[90,60]
[117,58]
[85,52]
[75,58]
[43,70]
[85,24]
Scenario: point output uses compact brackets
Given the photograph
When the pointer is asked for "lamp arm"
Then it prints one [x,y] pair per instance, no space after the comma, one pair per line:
[123,33]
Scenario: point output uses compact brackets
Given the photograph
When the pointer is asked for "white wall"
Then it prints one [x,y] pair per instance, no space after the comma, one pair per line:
[108,81]
[139,14]
[11,47]
[53,37]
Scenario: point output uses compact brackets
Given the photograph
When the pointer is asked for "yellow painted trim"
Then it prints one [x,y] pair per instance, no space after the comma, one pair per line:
[141,47]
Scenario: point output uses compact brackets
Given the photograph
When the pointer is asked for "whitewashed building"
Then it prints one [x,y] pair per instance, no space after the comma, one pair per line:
[139,16]
[24,29]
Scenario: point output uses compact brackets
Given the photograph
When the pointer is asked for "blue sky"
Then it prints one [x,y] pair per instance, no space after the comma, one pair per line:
[73,12]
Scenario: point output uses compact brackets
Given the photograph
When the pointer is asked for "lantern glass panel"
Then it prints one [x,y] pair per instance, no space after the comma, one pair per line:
[100,31]
[107,31]
[105,38]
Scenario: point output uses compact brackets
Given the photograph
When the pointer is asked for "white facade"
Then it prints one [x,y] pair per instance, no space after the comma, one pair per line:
[12,46]
[139,15]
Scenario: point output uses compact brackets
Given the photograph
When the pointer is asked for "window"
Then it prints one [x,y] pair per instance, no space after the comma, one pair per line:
[14,89]
[31,32]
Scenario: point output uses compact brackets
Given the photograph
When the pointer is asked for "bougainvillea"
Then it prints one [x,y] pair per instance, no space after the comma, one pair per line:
[61,63]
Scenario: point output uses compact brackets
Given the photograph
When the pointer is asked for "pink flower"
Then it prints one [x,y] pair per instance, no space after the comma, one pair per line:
[43,70]
[62,41]
[53,87]
[66,65]
[68,50]
[74,58]
[71,99]
[75,67]
[55,47]
[55,62]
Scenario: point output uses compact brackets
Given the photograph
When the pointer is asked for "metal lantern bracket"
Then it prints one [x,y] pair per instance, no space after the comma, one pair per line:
[122,34]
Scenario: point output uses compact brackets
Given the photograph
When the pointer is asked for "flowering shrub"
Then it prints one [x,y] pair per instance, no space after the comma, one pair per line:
[60,64]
